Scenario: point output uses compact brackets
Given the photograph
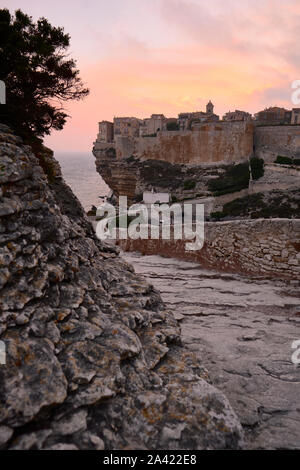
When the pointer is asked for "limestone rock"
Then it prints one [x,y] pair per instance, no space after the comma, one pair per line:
[93,358]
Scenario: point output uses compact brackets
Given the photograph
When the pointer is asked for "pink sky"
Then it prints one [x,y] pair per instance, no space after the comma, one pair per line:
[140,57]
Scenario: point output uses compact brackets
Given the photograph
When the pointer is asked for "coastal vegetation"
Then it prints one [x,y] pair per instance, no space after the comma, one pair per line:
[262,205]
[235,178]
[257,167]
[287,160]
[39,76]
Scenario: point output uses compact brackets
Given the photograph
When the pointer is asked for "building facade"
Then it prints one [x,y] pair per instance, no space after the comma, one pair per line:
[106,131]
[152,125]
[189,120]
[126,126]
[295,116]
[274,115]
[237,115]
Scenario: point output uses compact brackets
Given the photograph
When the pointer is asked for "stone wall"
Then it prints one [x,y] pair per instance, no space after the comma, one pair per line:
[271,141]
[222,142]
[267,247]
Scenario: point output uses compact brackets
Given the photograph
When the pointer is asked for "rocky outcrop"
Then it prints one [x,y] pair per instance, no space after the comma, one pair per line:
[185,164]
[93,358]
[273,141]
[132,176]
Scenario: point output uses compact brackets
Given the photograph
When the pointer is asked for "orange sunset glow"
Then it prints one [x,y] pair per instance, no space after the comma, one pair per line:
[140,57]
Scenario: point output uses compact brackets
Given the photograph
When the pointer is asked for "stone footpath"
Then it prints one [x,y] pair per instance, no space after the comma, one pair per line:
[241,330]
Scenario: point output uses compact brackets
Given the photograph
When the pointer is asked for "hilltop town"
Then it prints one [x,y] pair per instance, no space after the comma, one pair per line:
[149,127]
[200,157]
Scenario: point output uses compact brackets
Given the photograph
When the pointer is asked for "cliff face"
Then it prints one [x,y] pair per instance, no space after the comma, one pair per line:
[271,141]
[132,165]
[132,176]
[93,358]
[218,142]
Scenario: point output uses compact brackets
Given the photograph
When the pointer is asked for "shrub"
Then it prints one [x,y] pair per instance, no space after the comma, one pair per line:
[257,167]
[172,126]
[189,185]
[218,215]
[235,178]
[261,206]
[287,160]
[284,160]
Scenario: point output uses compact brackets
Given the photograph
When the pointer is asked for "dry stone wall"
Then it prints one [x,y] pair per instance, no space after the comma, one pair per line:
[267,247]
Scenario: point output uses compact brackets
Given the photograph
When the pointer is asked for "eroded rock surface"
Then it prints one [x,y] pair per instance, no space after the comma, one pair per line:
[242,329]
[93,358]
[132,176]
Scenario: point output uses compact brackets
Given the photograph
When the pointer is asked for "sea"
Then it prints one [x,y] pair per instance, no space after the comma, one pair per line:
[79,172]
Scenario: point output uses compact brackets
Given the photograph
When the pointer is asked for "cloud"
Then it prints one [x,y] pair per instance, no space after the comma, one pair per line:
[174,55]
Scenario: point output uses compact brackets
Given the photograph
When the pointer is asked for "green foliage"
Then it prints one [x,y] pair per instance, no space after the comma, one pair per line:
[287,160]
[217,215]
[283,160]
[235,178]
[257,167]
[189,185]
[38,74]
[261,206]
[172,126]
[174,199]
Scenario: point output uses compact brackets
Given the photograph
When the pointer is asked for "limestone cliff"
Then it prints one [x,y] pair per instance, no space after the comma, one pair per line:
[93,358]
[132,176]
[203,164]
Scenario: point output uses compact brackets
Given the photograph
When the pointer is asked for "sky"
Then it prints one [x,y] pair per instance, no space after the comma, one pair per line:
[140,57]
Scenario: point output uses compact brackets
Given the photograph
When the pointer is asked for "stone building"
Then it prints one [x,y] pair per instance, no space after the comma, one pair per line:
[209,108]
[126,126]
[188,120]
[106,131]
[295,116]
[237,115]
[274,115]
[152,125]
[170,124]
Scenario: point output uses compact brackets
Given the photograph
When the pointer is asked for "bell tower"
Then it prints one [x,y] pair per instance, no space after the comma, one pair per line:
[210,108]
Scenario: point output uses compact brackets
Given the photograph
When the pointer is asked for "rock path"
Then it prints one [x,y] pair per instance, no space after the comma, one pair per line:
[242,330]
